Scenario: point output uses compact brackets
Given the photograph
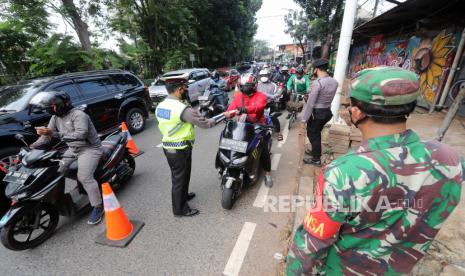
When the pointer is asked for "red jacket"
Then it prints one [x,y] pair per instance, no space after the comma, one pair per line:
[255,105]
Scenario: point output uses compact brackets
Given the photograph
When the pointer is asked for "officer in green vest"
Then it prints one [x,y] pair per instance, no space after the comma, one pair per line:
[176,122]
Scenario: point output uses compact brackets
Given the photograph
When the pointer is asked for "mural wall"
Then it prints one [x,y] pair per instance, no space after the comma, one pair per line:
[431,58]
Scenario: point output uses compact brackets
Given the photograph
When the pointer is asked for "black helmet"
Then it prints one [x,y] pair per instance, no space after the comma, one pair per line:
[321,62]
[215,75]
[248,84]
[55,103]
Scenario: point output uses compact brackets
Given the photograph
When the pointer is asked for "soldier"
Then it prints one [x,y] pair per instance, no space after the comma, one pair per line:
[379,208]
[176,123]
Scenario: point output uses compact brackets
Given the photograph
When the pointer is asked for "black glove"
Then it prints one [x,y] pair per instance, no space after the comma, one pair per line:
[242,110]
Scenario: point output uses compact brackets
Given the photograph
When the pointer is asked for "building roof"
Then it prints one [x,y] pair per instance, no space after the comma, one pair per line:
[405,18]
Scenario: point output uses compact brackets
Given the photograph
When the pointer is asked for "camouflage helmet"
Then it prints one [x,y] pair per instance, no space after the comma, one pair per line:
[386,85]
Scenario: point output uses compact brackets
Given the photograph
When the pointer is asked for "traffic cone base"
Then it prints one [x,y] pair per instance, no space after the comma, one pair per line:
[119,229]
[102,238]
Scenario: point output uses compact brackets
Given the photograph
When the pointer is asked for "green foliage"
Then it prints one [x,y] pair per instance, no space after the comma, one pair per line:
[325,18]
[56,55]
[13,45]
[261,49]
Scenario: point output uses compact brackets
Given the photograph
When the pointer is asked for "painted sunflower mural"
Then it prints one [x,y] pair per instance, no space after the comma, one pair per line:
[430,63]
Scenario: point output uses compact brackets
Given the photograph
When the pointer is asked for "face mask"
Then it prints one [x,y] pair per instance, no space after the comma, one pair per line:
[185,95]
[264,79]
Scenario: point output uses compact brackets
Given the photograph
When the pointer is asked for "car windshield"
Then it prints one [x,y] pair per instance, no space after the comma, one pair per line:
[15,98]
[160,82]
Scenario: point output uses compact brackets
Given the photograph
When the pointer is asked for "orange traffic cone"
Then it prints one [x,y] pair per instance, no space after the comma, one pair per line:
[236,91]
[131,145]
[119,229]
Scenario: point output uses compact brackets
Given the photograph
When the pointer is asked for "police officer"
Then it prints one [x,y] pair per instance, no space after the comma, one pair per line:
[317,111]
[176,122]
[379,208]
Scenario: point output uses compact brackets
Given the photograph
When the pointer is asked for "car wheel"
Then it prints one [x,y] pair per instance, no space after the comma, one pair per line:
[135,120]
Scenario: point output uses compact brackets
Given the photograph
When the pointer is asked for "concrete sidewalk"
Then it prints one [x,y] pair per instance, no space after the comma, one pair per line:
[447,254]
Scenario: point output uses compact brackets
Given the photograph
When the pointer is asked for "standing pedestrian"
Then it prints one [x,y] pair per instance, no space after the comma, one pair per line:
[379,208]
[176,122]
[317,111]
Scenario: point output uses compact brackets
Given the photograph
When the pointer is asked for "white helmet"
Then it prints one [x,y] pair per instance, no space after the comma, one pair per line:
[264,75]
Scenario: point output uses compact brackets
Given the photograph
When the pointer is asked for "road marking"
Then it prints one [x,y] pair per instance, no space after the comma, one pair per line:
[275,161]
[261,196]
[160,145]
[240,250]
[285,134]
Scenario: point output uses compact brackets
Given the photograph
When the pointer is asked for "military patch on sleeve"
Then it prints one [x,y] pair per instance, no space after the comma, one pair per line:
[317,222]
[163,113]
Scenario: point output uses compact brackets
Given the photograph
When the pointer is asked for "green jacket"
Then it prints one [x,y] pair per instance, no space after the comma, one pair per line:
[301,86]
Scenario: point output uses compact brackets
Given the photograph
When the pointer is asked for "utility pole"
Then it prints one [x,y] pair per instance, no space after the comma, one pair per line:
[345,40]
[451,114]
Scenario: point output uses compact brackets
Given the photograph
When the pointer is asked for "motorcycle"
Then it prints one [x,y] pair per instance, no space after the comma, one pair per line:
[210,104]
[37,190]
[238,159]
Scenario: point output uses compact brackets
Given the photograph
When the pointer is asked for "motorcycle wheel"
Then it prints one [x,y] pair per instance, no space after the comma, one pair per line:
[227,198]
[23,225]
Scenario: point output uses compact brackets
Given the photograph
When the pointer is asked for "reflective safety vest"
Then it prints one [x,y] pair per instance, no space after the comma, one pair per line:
[176,133]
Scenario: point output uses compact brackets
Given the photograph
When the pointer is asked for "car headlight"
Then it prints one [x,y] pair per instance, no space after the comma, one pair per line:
[240,160]
[224,158]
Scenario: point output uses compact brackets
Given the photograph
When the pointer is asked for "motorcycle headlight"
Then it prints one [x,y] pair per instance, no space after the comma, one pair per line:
[224,158]
[240,160]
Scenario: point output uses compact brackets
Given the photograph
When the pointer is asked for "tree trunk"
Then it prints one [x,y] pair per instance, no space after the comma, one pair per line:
[325,48]
[80,26]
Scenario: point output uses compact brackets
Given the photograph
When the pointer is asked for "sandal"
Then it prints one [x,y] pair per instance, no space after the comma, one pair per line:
[280,137]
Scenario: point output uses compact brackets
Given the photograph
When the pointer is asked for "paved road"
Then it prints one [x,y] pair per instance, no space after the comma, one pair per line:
[202,245]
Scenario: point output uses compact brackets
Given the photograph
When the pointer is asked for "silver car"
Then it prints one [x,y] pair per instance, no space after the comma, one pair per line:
[199,80]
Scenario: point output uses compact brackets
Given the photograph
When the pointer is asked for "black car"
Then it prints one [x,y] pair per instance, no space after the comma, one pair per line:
[108,96]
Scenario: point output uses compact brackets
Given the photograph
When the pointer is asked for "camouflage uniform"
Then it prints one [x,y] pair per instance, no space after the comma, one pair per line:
[383,203]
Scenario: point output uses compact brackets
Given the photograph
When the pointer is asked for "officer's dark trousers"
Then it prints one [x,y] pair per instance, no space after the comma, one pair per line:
[315,125]
[180,162]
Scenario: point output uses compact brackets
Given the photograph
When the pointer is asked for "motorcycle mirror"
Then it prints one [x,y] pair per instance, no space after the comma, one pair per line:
[20,137]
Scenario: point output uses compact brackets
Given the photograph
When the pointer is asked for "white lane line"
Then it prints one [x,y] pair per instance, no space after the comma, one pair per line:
[261,196]
[285,134]
[160,145]
[275,161]
[240,250]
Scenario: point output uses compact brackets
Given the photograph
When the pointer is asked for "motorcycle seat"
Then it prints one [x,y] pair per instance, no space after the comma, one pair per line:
[108,147]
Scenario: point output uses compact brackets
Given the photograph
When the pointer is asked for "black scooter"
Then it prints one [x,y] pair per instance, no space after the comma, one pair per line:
[238,158]
[209,103]
[37,190]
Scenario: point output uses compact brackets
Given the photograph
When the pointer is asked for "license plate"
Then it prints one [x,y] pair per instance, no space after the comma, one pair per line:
[203,98]
[16,177]
[233,145]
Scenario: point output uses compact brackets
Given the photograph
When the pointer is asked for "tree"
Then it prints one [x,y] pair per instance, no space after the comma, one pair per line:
[261,49]
[297,26]
[325,17]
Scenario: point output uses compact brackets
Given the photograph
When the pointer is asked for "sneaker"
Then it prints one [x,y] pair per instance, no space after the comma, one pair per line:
[311,161]
[268,181]
[96,215]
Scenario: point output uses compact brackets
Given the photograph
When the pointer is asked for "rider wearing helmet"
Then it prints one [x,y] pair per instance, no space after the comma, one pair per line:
[253,104]
[270,89]
[74,127]
[299,82]
[218,83]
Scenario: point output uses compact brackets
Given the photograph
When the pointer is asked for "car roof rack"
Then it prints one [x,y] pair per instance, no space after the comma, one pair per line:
[83,73]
